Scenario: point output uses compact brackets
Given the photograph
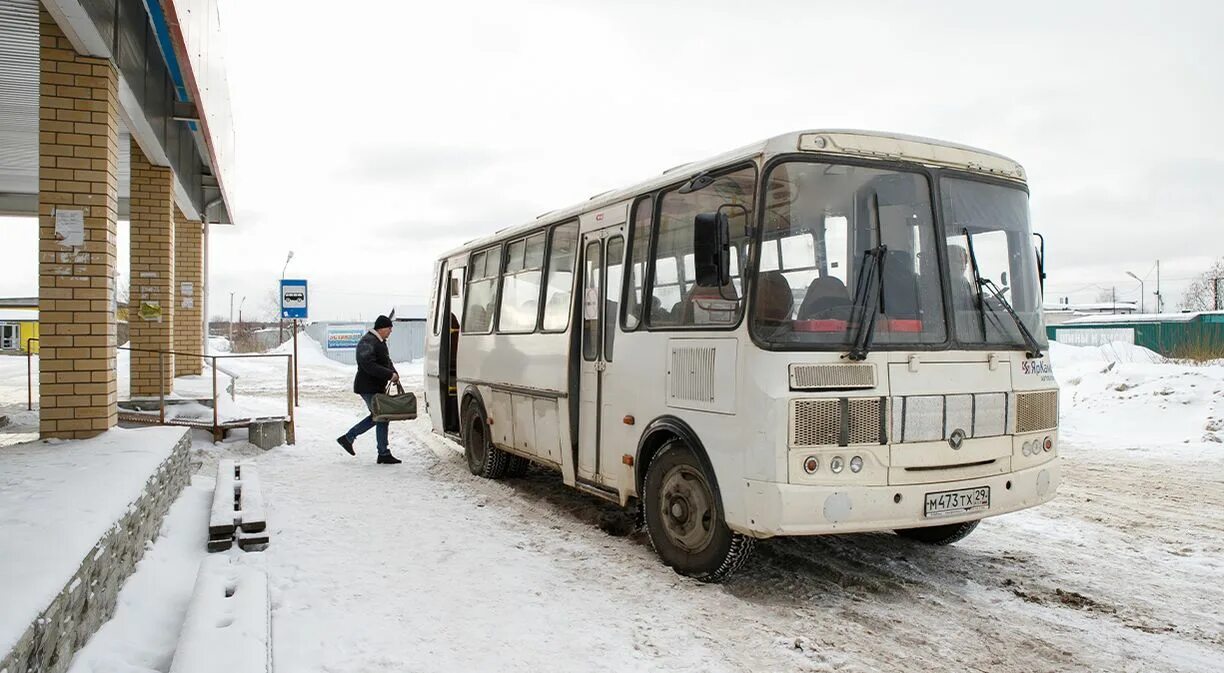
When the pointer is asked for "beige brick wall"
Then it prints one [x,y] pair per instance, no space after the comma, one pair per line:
[78,114]
[151,290]
[189,291]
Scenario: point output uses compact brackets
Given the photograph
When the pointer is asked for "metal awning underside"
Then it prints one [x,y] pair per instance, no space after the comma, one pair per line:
[151,91]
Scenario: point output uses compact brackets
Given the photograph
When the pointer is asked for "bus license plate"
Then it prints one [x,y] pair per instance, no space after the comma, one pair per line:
[949,503]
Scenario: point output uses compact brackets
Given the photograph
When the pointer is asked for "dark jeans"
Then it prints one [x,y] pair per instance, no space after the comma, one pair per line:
[380,429]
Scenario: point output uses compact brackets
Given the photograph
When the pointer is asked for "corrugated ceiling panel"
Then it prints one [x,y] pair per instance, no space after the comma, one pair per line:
[18,96]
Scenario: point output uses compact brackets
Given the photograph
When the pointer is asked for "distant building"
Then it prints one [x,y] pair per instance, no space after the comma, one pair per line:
[1059,313]
[18,324]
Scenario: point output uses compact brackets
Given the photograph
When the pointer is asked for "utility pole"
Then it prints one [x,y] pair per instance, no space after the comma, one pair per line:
[231,320]
[1159,298]
[1113,299]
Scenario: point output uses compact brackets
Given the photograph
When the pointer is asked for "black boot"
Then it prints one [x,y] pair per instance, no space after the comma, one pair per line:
[346,444]
[388,459]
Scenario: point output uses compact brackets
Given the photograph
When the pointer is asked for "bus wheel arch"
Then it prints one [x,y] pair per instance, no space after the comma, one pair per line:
[483,458]
[657,434]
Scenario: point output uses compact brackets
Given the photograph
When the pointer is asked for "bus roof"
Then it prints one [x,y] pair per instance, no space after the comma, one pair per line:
[846,142]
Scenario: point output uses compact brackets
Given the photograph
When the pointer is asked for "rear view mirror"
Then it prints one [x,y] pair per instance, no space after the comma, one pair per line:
[711,249]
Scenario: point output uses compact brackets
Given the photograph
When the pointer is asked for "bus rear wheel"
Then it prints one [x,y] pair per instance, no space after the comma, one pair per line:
[684,519]
[939,535]
[483,459]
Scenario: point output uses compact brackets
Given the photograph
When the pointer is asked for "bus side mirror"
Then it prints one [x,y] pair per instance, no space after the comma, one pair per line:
[712,249]
[1040,251]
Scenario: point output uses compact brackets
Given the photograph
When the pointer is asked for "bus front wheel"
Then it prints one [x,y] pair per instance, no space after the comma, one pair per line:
[939,535]
[483,459]
[684,519]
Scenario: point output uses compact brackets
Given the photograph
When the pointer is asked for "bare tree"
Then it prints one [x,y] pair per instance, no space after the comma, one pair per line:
[1206,293]
[1105,295]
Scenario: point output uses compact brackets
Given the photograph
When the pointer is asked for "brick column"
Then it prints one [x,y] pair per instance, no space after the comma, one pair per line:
[189,290]
[78,112]
[151,293]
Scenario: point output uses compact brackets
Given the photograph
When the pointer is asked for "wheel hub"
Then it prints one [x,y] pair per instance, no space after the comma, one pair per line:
[688,508]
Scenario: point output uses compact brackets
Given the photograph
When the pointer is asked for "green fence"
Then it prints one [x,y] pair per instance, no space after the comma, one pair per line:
[1198,335]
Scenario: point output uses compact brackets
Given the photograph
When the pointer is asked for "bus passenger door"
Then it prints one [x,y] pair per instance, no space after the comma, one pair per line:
[590,366]
[602,263]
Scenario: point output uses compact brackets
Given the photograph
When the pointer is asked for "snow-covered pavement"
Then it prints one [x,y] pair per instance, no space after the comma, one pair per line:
[423,567]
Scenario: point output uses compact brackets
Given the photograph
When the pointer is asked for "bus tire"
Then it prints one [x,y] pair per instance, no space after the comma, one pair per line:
[517,466]
[684,519]
[483,459]
[939,535]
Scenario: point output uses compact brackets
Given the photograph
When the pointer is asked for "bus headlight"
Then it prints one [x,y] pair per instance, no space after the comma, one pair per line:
[856,464]
[811,464]
[837,464]
[1026,449]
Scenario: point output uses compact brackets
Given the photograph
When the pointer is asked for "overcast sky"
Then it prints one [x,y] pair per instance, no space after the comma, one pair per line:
[373,136]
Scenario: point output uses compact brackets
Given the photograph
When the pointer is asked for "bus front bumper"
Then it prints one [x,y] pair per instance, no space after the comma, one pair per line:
[788,509]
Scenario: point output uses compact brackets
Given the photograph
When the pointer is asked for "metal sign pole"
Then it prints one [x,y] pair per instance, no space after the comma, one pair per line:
[297,402]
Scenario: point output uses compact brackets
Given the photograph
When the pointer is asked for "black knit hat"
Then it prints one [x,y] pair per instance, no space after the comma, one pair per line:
[381,322]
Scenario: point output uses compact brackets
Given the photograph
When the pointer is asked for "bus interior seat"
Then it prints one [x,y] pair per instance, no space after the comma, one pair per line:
[827,297]
[687,315]
[775,299]
[900,291]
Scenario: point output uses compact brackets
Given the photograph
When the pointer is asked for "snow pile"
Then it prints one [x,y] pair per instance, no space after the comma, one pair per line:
[57,499]
[143,634]
[1133,397]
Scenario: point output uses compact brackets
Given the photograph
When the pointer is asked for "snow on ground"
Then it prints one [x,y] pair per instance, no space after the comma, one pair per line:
[56,500]
[424,567]
[142,636]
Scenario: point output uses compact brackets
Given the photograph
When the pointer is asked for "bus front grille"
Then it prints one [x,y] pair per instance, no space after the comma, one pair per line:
[1036,411]
[835,422]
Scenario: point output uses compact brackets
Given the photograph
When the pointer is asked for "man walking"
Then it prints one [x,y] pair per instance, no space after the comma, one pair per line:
[374,372]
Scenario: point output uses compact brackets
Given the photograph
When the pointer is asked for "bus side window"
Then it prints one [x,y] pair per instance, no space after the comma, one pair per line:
[438,298]
[731,193]
[612,287]
[590,301]
[521,285]
[639,252]
[559,287]
[482,288]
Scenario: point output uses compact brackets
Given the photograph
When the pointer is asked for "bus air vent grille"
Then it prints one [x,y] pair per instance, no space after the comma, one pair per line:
[692,374]
[815,422]
[1036,411]
[819,422]
[832,376]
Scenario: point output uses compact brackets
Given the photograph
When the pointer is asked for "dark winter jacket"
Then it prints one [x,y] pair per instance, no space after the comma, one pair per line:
[374,368]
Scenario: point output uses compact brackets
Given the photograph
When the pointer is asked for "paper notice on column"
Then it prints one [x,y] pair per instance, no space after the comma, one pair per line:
[70,228]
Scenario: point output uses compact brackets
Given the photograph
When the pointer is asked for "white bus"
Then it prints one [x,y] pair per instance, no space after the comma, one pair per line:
[825,332]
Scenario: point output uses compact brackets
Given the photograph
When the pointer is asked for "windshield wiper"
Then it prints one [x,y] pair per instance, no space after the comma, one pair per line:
[867,301]
[1034,348]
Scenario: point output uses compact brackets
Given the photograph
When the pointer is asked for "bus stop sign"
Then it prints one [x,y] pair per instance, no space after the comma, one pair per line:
[293,299]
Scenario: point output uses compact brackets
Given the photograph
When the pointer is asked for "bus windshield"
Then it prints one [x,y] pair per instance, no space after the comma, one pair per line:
[820,220]
[995,220]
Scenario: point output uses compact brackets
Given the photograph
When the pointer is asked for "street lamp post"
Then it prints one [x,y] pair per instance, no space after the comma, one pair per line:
[282,317]
[1141,297]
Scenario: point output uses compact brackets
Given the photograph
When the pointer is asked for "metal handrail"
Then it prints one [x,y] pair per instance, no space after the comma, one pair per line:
[30,374]
[291,392]
[291,379]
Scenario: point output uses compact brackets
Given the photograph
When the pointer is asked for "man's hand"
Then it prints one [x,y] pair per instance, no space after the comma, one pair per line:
[395,377]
